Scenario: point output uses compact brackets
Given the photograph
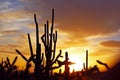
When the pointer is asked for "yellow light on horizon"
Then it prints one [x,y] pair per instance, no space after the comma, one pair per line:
[78,66]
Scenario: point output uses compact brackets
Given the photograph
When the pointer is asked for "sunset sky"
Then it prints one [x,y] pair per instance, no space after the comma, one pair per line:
[92,25]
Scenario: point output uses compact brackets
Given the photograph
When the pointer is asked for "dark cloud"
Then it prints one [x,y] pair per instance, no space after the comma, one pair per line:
[78,17]
[111,43]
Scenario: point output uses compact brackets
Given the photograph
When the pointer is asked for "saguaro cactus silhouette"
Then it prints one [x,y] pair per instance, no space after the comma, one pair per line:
[6,68]
[66,66]
[11,66]
[86,59]
[49,40]
[28,65]
[38,57]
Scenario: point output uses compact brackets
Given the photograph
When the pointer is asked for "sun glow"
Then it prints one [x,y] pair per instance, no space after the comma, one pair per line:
[78,63]
[77,56]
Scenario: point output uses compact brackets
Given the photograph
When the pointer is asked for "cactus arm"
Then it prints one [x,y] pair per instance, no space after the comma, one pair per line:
[31,59]
[51,36]
[44,34]
[8,60]
[2,61]
[38,45]
[42,57]
[52,18]
[37,38]
[37,30]
[57,57]
[43,39]
[55,67]
[55,41]
[100,62]
[107,67]
[103,64]
[47,34]
[14,60]
[30,45]
[60,63]
[21,55]
[38,56]
[55,37]
[7,65]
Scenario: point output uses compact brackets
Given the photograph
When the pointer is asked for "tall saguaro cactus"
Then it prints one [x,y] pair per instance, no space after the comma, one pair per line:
[38,57]
[49,40]
[86,59]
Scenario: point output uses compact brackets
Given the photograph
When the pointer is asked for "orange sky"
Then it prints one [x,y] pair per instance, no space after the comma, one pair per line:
[81,25]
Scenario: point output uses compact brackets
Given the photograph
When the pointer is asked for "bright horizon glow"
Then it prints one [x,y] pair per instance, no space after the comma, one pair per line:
[78,66]
[77,56]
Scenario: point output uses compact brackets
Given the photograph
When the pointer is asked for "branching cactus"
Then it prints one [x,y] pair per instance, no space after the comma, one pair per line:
[28,65]
[49,40]
[38,57]
[11,66]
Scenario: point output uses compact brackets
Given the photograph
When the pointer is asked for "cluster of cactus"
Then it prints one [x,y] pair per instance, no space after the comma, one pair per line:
[6,68]
[49,40]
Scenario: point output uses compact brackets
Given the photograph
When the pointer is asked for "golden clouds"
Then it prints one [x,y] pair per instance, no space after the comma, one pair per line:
[9,32]
[14,15]
[8,48]
[111,43]
[81,25]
